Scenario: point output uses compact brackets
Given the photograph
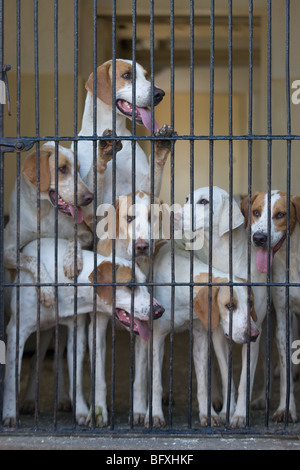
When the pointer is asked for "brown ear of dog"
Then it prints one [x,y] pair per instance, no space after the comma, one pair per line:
[30,171]
[201,302]
[105,276]
[296,203]
[245,206]
[104,88]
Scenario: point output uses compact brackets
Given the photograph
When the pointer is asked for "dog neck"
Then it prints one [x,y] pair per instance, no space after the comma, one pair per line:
[221,249]
[104,118]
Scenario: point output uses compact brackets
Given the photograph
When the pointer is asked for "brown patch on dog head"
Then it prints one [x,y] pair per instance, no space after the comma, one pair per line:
[123,275]
[202,301]
[296,204]
[104,87]
[30,170]
[279,215]
[104,276]
[257,203]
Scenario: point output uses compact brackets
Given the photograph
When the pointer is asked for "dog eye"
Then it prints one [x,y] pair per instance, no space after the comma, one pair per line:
[280,215]
[130,218]
[256,213]
[63,169]
[127,76]
[203,201]
[230,306]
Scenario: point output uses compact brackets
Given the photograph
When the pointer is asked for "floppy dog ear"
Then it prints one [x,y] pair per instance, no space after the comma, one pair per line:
[245,207]
[296,203]
[201,307]
[105,276]
[237,216]
[104,88]
[201,303]
[29,169]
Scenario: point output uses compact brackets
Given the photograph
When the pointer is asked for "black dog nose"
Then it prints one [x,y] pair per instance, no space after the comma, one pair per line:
[260,239]
[158,95]
[87,198]
[141,247]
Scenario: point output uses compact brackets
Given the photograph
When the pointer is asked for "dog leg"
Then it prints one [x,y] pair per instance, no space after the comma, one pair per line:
[106,150]
[9,396]
[158,419]
[72,269]
[140,380]
[80,407]
[201,369]
[162,150]
[30,264]
[97,357]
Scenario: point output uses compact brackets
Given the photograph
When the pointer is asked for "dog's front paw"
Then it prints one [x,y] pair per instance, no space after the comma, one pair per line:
[280,416]
[158,421]
[107,146]
[166,132]
[101,417]
[9,422]
[238,422]
[70,271]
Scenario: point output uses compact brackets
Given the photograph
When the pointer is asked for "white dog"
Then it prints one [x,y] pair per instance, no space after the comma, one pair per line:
[27,320]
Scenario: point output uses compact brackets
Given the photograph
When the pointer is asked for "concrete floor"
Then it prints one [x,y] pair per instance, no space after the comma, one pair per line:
[163,444]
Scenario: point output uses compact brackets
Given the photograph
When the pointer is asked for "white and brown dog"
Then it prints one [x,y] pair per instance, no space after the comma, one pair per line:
[24,320]
[61,196]
[134,224]
[124,109]
[277,258]
[222,303]
[220,205]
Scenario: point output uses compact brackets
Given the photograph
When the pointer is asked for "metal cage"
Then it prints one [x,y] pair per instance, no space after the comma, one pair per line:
[120,378]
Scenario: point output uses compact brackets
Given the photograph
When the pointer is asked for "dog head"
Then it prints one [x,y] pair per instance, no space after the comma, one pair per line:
[261,237]
[61,195]
[223,305]
[125,304]
[135,222]
[199,211]
[124,90]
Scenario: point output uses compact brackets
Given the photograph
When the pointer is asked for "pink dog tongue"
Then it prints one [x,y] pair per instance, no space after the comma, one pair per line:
[79,213]
[146,118]
[262,260]
[143,329]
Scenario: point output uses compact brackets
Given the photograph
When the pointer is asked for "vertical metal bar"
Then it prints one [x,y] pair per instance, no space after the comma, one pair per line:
[230,206]
[211,163]
[18,215]
[95,193]
[133,183]
[37,124]
[269,154]
[114,169]
[56,117]
[192,99]
[250,122]
[152,201]
[2,367]
[75,324]
[171,384]
[287,272]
